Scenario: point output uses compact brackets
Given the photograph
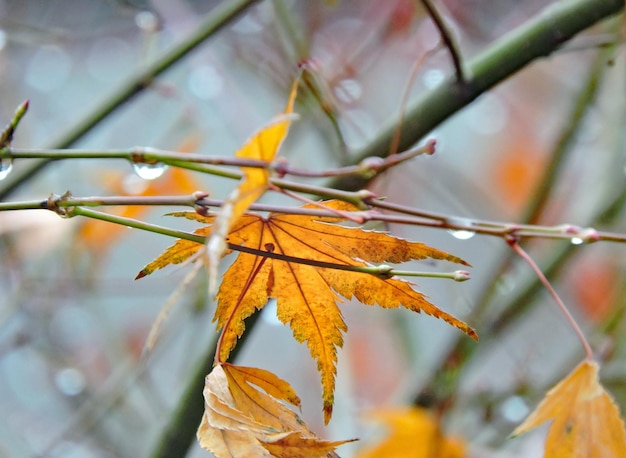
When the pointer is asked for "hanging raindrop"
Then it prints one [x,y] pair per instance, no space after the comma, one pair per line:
[461,234]
[6,165]
[149,171]
[577,241]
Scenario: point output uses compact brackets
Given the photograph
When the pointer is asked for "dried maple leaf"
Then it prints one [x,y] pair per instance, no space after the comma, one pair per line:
[264,146]
[585,420]
[241,421]
[413,433]
[307,296]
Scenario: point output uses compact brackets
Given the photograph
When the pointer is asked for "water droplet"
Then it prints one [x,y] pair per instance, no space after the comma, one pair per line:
[6,165]
[147,21]
[577,241]
[70,381]
[461,234]
[149,171]
[433,77]
[514,409]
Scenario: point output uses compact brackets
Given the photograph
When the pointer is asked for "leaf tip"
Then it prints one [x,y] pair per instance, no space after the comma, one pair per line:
[142,274]
[328,412]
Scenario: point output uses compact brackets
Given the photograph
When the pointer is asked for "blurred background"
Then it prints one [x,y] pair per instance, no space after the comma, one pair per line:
[73,322]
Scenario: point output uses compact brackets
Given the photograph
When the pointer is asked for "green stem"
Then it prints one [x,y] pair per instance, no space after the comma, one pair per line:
[147,155]
[219,17]
[382,270]
[536,38]
[135,224]
[7,134]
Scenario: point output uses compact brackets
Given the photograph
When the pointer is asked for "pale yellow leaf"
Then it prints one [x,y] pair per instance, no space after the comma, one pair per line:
[585,420]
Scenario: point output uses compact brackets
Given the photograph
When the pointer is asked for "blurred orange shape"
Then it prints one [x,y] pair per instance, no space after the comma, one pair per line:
[413,433]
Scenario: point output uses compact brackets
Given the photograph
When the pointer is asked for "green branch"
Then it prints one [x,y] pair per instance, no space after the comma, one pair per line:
[220,16]
[536,38]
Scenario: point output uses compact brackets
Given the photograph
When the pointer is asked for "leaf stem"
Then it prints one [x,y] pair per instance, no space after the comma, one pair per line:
[515,246]
[384,271]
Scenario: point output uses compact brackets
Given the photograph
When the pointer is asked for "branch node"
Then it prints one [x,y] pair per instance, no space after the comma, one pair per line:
[366,195]
[370,166]
[54,203]
[200,208]
[280,166]
[384,271]
[588,235]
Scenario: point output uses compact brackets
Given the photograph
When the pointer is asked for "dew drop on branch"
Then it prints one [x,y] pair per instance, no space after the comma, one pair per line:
[6,165]
[461,234]
[149,171]
[576,241]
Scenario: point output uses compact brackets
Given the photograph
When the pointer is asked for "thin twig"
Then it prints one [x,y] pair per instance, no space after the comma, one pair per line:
[65,205]
[395,140]
[216,19]
[515,246]
[147,155]
[447,38]
[7,134]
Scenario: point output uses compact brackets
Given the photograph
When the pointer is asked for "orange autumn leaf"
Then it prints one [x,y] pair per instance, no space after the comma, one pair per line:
[307,295]
[413,433]
[241,421]
[585,420]
[264,146]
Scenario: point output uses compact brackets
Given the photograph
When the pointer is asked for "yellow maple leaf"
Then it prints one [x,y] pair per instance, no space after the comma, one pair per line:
[585,420]
[307,295]
[241,421]
[413,433]
[264,146]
